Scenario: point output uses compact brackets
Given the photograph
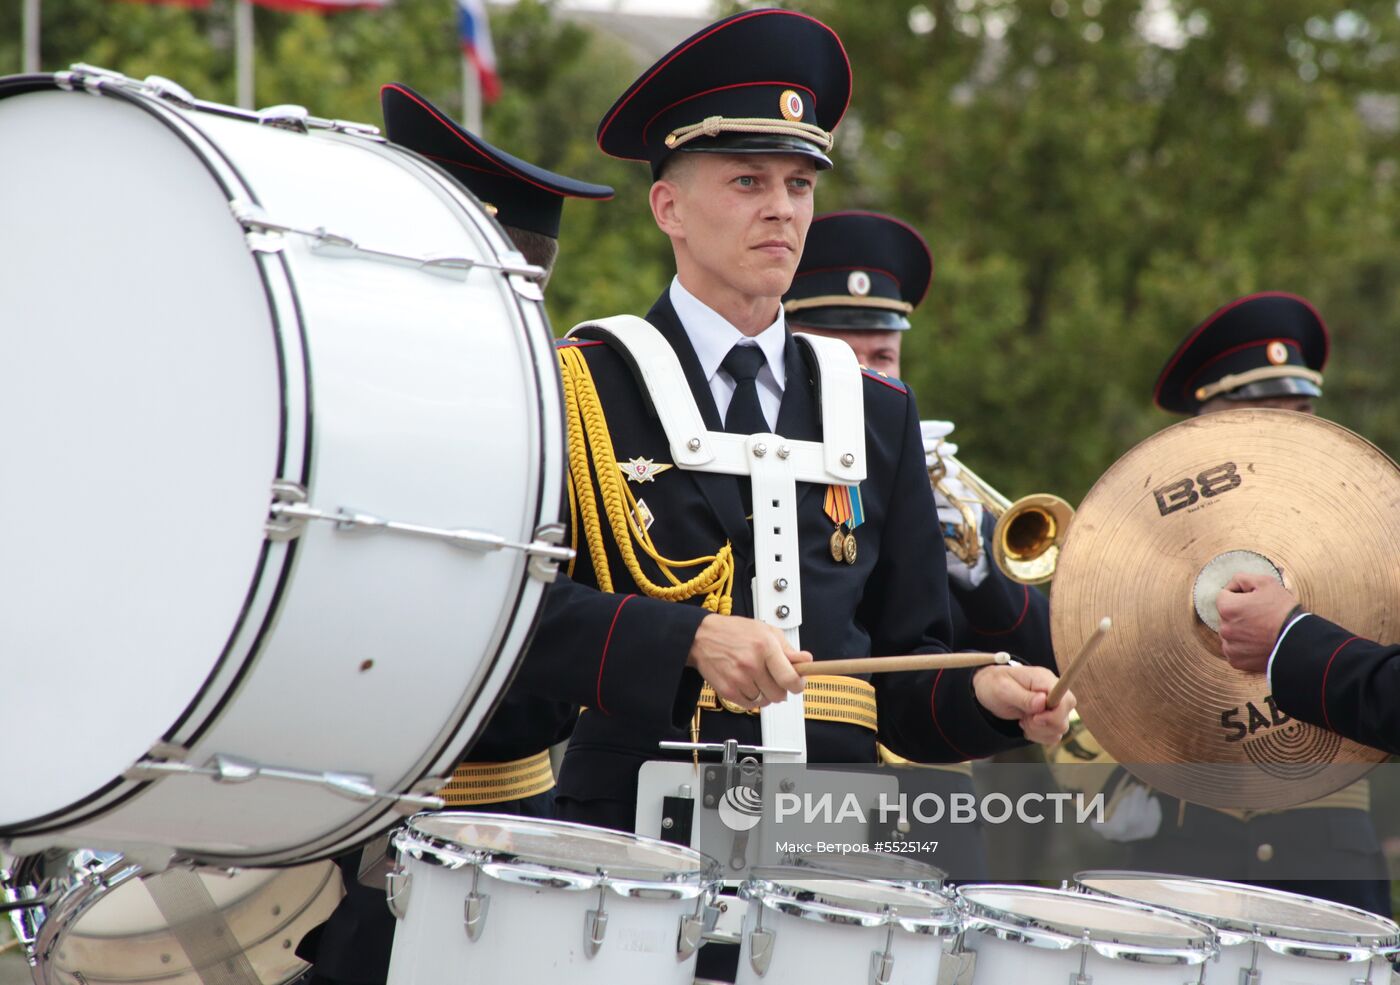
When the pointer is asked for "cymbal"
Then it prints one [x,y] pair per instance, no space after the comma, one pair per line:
[1288,491]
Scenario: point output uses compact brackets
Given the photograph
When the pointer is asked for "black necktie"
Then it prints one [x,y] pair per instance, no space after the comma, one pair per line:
[745,415]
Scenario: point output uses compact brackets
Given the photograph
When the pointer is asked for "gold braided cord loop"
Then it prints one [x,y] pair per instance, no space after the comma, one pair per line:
[1226,383]
[847,301]
[713,126]
[591,458]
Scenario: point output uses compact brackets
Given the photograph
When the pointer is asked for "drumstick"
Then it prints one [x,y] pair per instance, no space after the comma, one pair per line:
[918,661]
[1077,664]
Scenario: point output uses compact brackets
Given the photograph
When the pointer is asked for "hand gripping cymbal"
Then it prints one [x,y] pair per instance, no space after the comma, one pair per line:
[1163,529]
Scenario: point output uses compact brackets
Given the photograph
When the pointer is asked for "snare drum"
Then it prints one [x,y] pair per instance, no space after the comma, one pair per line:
[112,923]
[292,445]
[490,898]
[1267,937]
[806,929]
[1031,934]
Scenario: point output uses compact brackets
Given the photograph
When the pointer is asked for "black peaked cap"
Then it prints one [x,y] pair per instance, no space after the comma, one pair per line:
[523,195]
[1260,345]
[782,68]
[859,270]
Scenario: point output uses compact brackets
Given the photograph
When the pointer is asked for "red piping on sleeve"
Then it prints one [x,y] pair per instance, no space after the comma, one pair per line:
[1326,718]
[1025,607]
[933,708]
[604,658]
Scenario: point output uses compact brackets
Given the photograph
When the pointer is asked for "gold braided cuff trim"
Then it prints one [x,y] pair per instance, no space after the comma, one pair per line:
[891,758]
[713,126]
[1226,383]
[474,784]
[847,301]
[848,700]
[1356,797]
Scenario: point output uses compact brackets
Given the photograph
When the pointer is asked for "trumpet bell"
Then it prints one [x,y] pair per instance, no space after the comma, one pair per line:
[1026,542]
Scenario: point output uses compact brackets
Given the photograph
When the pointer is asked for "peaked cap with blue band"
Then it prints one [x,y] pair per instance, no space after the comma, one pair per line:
[523,195]
[1262,345]
[859,270]
[760,82]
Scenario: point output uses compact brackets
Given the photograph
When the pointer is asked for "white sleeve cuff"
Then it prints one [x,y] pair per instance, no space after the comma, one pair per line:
[1269,670]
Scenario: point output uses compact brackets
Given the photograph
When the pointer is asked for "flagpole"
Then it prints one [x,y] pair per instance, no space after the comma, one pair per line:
[243,50]
[471,97]
[31,36]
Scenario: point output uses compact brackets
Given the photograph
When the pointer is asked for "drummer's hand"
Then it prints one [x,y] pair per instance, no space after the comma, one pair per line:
[1019,694]
[1253,609]
[746,661]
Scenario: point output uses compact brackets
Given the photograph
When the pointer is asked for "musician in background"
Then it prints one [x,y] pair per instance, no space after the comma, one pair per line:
[508,769]
[1264,350]
[861,276]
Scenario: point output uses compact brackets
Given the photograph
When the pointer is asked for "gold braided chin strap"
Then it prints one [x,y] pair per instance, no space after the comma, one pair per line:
[1227,383]
[713,126]
[591,458]
[847,301]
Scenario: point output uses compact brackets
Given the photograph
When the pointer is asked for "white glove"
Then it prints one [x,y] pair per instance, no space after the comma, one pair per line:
[1133,816]
[950,516]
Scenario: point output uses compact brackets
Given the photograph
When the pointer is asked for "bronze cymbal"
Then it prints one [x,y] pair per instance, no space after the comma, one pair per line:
[1319,502]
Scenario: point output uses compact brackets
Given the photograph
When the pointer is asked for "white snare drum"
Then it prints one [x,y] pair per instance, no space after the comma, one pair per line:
[801,930]
[187,355]
[107,925]
[1031,934]
[1267,937]
[489,898]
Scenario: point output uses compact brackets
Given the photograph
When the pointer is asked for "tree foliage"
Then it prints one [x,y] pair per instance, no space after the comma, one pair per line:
[1094,178]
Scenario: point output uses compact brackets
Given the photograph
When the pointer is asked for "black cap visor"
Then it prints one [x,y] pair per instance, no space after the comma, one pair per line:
[843,319]
[749,143]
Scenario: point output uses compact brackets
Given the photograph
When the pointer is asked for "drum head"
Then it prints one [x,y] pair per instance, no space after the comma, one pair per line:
[1073,917]
[1243,909]
[567,848]
[142,398]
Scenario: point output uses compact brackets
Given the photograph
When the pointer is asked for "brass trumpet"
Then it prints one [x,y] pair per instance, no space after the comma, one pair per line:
[1029,532]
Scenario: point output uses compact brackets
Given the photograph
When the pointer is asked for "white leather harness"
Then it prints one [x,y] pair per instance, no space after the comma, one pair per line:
[774,465]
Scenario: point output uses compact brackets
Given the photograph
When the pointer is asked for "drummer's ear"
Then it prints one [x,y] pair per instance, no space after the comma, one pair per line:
[539,249]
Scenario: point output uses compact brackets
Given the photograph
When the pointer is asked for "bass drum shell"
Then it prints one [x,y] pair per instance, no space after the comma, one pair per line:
[172,366]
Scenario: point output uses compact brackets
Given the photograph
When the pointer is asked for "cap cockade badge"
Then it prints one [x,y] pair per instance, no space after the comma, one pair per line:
[790,105]
[858,283]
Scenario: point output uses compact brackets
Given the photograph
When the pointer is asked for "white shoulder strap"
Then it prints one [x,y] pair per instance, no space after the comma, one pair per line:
[843,403]
[665,383]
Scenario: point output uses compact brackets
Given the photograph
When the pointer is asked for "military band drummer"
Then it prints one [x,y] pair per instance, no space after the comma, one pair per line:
[651,630]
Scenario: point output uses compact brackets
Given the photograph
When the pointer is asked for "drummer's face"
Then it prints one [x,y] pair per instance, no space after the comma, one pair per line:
[738,221]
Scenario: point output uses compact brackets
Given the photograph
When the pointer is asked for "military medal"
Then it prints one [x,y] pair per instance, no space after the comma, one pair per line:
[844,508]
[642,469]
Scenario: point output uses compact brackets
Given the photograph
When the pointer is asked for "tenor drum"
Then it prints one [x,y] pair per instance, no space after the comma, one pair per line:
[801,929]
[290,438]
[1032,934]
[1267,937]
[489,898]
[110,922]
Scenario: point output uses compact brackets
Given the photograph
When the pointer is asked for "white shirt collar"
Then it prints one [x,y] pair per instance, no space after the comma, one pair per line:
[712,336]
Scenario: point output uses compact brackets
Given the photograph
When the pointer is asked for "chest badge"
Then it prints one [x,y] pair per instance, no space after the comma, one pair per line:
[642,469]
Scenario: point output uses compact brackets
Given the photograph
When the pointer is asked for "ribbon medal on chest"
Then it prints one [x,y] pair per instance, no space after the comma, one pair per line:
[843,507]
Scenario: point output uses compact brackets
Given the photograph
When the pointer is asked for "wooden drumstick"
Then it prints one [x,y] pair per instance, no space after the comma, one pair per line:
[918,661]
[1076,665]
